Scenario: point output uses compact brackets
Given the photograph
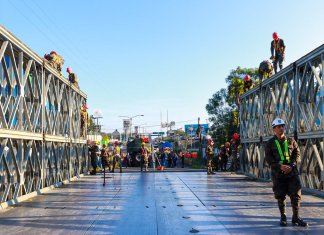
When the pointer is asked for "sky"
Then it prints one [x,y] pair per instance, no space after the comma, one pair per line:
[153,57]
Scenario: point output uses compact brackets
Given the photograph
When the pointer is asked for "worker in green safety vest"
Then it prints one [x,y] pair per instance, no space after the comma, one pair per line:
[282,154]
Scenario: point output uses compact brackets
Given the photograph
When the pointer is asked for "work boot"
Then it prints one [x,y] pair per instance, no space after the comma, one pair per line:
[283,220]
[299,222]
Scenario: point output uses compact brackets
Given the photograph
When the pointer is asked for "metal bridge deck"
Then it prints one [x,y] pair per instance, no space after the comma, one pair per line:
[159,203]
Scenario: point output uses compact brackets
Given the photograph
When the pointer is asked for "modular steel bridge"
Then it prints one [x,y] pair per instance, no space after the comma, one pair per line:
[39,122]
[295,94]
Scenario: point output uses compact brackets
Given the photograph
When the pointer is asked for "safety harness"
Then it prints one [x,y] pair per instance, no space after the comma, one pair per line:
[283,157]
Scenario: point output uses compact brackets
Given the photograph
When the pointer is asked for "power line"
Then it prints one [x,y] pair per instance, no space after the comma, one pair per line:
[54,43]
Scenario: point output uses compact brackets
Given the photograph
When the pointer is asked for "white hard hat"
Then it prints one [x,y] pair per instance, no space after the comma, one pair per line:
[277,122]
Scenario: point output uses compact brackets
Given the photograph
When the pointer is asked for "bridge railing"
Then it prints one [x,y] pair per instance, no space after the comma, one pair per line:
[41,142]
[295,94]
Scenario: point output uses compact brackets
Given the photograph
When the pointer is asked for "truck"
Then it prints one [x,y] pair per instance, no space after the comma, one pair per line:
[134,150]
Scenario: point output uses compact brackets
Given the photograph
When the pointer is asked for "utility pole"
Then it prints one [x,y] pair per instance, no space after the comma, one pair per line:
[198,132]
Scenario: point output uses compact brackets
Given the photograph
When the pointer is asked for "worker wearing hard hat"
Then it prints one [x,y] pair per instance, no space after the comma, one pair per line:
[210,155]
[94,153]
[144,157]
[277,51]
[117,157]
[248,83]
[282,154]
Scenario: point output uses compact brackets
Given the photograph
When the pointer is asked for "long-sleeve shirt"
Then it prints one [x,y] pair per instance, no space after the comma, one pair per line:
[278,47]
[273,158]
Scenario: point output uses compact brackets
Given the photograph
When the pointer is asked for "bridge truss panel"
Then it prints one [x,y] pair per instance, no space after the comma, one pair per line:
[295,94]
[40,137]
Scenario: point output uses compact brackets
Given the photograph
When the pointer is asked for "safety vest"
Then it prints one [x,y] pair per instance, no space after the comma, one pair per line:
[284,157]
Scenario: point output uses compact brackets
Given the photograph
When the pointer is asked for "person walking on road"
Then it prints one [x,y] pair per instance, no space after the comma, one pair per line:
[282,154]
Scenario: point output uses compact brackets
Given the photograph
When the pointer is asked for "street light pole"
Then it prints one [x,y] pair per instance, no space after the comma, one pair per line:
[131,120]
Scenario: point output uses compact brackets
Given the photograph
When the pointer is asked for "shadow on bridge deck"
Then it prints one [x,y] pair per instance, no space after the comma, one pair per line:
[166,203]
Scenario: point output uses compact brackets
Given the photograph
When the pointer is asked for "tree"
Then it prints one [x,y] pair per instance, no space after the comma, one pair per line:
[220,117]
[91,125]
[235,81]
[223,108]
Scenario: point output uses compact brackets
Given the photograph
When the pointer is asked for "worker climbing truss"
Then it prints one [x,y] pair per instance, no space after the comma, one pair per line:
[295,94]
[40,122]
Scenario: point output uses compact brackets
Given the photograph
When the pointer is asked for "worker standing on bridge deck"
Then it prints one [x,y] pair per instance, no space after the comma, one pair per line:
[282,154]
[210,155]
[277,51]
[117,157]
[94,152]
[144,157]
[224,155]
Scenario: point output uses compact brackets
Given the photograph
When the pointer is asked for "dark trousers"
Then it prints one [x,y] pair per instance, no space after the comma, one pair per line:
[223,163]
[115,160]
[290,186]
[94,164]
[215,163]
[278,59]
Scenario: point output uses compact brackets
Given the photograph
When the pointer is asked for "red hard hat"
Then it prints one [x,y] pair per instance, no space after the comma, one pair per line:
[275,36]
[85,106]
[53,52]
[236,136]
[247,77]
[69,70]
[116,142]
[104,145]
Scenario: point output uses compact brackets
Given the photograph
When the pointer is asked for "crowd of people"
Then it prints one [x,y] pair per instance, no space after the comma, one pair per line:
[111,157]
[226,158]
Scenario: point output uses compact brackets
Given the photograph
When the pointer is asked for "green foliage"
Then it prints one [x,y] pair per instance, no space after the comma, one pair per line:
[235,81]
[91,126]
[223,108]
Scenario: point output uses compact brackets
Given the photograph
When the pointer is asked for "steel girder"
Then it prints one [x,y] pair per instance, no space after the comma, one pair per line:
[39,122]
[295,94]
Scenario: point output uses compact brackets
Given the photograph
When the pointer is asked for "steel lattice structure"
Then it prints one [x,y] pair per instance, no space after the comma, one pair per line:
[39,122]
[295,94]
